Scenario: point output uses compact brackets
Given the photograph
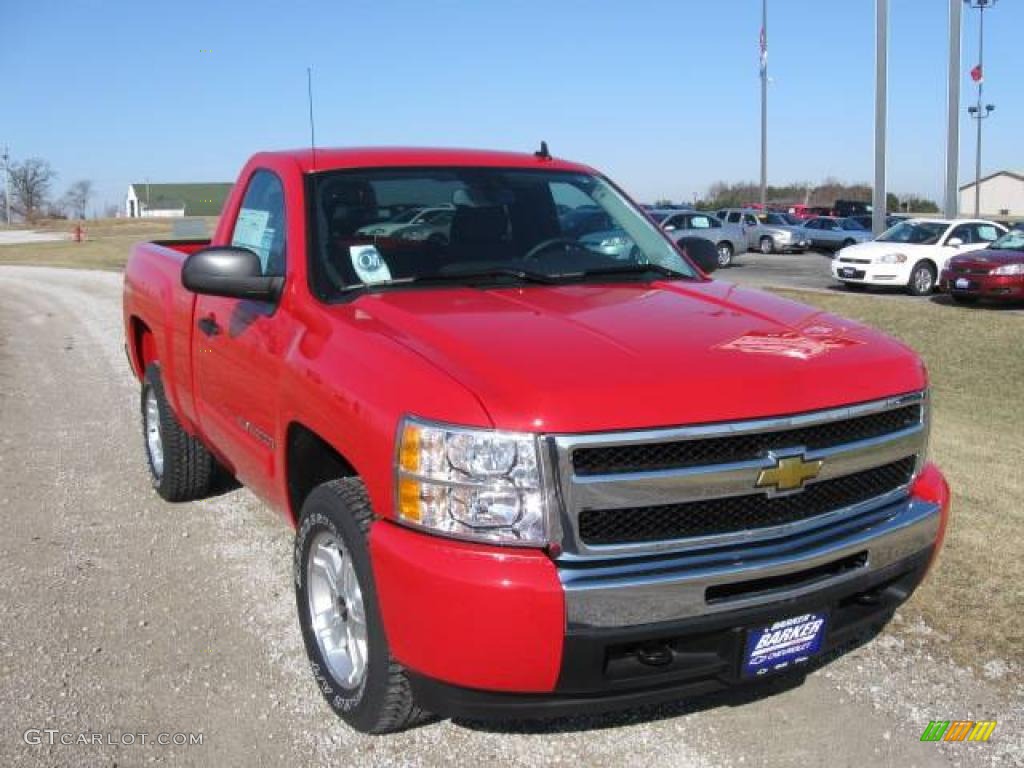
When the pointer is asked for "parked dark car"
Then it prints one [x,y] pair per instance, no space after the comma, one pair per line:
[846,208]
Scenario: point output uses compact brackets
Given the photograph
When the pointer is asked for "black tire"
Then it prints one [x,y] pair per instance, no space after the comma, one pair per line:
[855,287]
[919,284]
[382,701]
[188,469]
[766,245]
[725,254]
[967,301]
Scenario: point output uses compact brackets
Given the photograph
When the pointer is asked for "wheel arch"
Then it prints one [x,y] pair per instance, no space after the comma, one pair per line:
[143,350]
[310,460]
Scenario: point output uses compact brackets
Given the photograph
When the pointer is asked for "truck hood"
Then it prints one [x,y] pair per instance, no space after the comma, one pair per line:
[586,357]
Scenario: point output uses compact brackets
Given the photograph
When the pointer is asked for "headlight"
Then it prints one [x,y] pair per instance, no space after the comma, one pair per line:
[1008,269]
[892,258]
[615,242]
[471,483]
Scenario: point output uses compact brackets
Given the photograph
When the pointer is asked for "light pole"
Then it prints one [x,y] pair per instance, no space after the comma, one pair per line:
[764,104]
[980,111]
[951,198]
[7,184]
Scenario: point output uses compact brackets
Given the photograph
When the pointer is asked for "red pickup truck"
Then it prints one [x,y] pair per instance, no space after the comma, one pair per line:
[530,473]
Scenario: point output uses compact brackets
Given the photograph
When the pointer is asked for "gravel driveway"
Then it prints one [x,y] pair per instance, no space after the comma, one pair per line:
[122,614]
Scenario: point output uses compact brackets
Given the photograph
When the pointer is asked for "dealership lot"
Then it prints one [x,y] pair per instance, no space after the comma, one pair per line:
[809,271]
[180,618]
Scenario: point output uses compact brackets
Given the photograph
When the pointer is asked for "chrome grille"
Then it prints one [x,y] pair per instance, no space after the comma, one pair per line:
[656,490]
[739,513]
[646,457]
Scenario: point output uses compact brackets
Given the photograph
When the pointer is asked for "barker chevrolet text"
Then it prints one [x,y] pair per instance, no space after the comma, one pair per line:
[537,461]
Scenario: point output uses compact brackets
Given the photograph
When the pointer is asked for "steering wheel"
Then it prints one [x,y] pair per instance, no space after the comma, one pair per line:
[546,245]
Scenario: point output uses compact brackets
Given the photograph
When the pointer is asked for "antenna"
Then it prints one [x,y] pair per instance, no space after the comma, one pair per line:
[543,153]
[312,129]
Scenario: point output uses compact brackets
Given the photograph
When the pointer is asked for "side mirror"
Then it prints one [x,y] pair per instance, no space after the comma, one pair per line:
[954,242]
[229,271]
[702,252]
[670,228]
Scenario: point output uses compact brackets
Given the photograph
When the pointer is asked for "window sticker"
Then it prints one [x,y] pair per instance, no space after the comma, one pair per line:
[252,232]
[370,267]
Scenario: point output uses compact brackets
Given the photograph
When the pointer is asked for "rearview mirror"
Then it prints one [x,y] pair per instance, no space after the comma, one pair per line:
[954,242]
[229,271]
[702,252]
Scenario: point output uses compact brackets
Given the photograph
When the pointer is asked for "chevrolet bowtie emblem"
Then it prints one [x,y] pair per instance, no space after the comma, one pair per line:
[789,473]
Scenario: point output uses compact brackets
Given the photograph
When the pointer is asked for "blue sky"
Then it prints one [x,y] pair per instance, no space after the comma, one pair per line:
[663,96]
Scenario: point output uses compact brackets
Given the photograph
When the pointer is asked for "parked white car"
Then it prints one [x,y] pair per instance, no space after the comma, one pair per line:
[913,253]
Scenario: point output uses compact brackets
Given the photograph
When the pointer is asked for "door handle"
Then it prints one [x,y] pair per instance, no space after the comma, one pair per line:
[208,325]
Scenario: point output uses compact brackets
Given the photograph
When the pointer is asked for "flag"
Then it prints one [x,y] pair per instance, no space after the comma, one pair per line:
[976,75]
[763,46]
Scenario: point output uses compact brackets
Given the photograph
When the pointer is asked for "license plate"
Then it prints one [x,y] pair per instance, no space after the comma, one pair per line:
[848,272]
[963,283]
[784,644]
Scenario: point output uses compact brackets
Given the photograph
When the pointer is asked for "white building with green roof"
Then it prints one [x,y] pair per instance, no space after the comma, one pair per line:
[174,200]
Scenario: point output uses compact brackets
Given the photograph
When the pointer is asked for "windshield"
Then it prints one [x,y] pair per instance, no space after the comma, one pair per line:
[914,232]
[494,222]
[776,219]
[1011,241]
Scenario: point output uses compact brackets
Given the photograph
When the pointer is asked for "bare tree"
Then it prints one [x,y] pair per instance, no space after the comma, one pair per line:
[30,186]
[77,198]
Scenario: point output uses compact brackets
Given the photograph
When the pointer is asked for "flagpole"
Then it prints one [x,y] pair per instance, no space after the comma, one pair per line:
[764,104]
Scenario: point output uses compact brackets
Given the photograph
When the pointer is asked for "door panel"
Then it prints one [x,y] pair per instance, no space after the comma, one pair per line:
[240,345]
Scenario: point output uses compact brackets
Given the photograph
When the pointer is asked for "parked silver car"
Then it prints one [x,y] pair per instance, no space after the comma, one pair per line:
[769,232]
[831,234]
[729,239]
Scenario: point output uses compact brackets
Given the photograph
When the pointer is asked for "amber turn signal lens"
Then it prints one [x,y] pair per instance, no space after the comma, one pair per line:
[409,453]
[409,505]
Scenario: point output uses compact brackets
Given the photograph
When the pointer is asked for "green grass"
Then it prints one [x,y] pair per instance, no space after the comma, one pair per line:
[976,365]
[107,244]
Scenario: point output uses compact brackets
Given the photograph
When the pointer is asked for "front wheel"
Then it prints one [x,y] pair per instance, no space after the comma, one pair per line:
[724,254]
[767,245]
[339,615]
[922,279]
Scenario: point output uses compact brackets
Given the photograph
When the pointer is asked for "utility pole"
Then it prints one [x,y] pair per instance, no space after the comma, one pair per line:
[979,112]
[951,200]
[878,198]
[764,104]
[7,183]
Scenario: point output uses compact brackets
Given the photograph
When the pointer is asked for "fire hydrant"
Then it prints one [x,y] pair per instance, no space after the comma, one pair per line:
[79,233]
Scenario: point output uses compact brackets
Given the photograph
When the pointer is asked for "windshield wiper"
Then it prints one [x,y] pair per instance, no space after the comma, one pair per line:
[629,269]
[527,276]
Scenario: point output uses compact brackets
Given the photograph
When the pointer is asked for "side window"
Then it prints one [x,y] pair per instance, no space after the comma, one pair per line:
[750,220]
[700,222]
[679,222]
[964,232]
[812,224]
[986,233]
[260,225]
[734,217]
[714,223]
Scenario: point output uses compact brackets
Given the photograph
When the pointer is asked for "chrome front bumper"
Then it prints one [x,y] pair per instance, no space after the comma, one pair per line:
[621,593]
